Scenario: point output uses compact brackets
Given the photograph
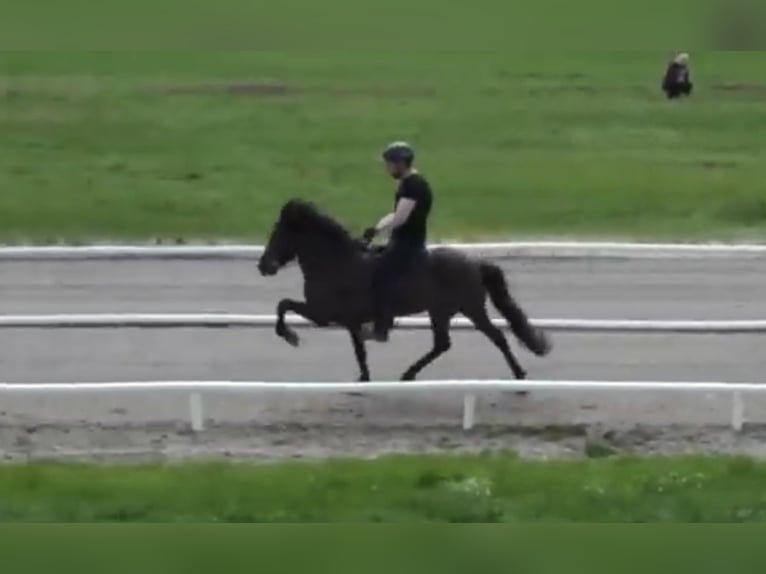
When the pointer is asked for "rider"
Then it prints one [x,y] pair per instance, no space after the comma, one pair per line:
[677,81]
[407,228]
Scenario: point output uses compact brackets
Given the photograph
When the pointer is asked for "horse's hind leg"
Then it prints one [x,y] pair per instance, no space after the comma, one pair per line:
[440,329]
[483,323]
[361,352]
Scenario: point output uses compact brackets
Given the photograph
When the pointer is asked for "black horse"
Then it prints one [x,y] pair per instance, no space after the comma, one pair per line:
[337,287]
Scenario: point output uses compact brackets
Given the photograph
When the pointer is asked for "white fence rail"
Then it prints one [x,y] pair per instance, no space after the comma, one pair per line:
[470,389]
[222,320]
[542,249]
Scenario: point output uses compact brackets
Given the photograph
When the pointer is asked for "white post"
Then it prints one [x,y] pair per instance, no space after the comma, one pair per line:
[196,412]
[469,412]
[737,411]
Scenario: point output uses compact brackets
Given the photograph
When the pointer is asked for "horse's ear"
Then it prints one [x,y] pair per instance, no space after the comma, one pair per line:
[288,211]
[292,212]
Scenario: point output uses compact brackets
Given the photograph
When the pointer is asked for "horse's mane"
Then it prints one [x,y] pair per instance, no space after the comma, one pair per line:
[305,216]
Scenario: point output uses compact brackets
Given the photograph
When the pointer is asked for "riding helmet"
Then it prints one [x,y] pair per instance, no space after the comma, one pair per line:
[399,152]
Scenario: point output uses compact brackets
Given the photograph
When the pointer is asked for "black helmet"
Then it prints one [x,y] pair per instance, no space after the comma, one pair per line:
[399,152]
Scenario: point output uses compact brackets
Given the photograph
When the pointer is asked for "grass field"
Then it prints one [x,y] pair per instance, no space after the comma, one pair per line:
[464,489]
[184,146]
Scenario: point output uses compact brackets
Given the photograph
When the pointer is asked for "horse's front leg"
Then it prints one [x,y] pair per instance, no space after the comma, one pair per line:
[299,308]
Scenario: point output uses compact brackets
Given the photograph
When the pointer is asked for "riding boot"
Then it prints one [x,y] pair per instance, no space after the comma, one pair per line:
[384,321]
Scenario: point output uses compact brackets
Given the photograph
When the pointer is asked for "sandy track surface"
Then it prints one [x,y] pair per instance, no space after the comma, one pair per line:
[272,427]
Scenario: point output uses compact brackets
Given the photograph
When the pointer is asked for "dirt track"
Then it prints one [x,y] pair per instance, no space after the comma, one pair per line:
[290,426]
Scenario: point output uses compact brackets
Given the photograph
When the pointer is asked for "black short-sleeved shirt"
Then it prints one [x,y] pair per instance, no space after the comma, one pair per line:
[413,231]
[676,75]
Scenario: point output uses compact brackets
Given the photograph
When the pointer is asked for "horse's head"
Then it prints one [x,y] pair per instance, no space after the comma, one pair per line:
[302,231]
[282,246]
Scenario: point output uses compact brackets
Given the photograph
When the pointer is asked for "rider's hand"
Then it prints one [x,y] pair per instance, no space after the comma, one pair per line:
[369,234]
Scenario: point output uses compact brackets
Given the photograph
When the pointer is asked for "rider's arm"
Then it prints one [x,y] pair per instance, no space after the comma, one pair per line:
[404,208]
[393,220]
[384,225]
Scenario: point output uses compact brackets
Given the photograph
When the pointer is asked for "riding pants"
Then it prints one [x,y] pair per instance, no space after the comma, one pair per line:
[397,259]
[679,89]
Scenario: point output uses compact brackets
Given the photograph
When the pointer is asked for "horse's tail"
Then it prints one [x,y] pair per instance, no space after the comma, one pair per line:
[494,281]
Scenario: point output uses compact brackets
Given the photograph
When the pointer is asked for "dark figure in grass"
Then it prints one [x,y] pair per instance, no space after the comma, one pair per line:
[677,82]
[339,272]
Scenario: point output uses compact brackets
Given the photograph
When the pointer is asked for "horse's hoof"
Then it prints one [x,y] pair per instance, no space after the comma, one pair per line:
[291,337]
[363,379]
[408,377]
[521,376]
[543,344]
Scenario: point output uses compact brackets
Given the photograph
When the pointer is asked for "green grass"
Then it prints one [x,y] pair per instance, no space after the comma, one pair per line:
[463,489]
[153,145]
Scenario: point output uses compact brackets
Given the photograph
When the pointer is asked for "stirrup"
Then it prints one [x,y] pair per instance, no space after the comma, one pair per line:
[369,333]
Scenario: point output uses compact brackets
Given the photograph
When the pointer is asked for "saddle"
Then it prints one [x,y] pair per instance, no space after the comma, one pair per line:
[369,249]
[375,250]
[399,285]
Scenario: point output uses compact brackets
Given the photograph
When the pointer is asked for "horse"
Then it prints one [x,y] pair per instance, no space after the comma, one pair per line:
[337,272]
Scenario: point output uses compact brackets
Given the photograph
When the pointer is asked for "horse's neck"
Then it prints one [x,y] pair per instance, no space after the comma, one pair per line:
[318,258]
